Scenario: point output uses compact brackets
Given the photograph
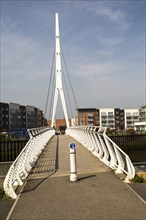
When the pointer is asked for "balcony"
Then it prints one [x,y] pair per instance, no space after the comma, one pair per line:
[90,119]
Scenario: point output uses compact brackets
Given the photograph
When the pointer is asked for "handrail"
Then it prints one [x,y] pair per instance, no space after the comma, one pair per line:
[23,164]
[95,140]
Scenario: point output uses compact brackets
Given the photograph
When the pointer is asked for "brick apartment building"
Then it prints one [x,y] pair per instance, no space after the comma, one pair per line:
[60,124]
[88,116]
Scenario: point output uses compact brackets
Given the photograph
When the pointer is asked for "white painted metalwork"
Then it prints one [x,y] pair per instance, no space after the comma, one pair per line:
[73,167]
[23,164]
[58,75]
[96,141]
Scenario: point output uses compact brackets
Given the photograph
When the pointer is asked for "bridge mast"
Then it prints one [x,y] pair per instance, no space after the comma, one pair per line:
[58,75]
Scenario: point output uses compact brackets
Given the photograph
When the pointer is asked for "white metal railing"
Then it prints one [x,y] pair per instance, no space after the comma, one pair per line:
[96,141]
[23,164]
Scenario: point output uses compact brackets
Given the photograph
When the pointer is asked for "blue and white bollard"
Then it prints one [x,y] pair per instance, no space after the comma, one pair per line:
[73,169]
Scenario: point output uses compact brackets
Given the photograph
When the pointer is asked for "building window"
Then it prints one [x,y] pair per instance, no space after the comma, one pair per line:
[110,113]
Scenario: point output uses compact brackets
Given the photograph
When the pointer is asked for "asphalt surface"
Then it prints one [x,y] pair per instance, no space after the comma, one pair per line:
[140,189]
[98,193]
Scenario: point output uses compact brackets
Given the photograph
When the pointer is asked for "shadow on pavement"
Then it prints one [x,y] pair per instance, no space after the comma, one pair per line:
[32,184]
[85,177]
[46,165]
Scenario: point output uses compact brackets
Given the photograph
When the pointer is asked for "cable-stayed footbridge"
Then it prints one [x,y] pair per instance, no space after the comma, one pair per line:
[47,154]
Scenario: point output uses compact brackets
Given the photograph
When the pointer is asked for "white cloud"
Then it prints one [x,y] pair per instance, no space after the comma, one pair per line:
[112,41]
[20,54]
[105,59]
[110,11]
[24,68]
[16,48]
[116,16]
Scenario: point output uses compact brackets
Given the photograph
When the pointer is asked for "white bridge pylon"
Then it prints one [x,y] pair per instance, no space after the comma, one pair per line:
[58,75]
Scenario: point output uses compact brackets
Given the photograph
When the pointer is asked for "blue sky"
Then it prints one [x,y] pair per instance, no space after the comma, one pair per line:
[103,43]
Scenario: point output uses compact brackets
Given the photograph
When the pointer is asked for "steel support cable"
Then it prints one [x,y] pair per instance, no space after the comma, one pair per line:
[49,87]
[67,95]
[52,93]
[69,80]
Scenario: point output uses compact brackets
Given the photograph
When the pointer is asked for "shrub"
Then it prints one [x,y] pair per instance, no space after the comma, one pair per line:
[138,179]
[3,196]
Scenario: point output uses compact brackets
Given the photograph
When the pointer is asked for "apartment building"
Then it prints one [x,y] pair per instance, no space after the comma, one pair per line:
[119,119]
[131,116]
[23,116]
[142,113]
[88,116]
[31,116]
[107,118]
[4,116]
[16,116]
[141,124]
[113,118]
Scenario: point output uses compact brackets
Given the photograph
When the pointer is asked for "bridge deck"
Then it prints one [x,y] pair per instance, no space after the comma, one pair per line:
[98,193]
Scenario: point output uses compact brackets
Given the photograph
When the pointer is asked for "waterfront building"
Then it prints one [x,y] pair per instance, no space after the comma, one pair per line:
[31,117]
[119,119]
[88,116]
[131,116]
[23,116]
[4,116]
[14,116]
[113,118]
[41,120]
[141,124]
[107,118]
[60,124]
[142,113]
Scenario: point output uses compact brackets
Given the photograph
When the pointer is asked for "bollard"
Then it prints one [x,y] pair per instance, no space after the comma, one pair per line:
[73,170]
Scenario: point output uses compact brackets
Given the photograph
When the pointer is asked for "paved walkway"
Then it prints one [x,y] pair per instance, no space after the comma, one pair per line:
[98,193]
